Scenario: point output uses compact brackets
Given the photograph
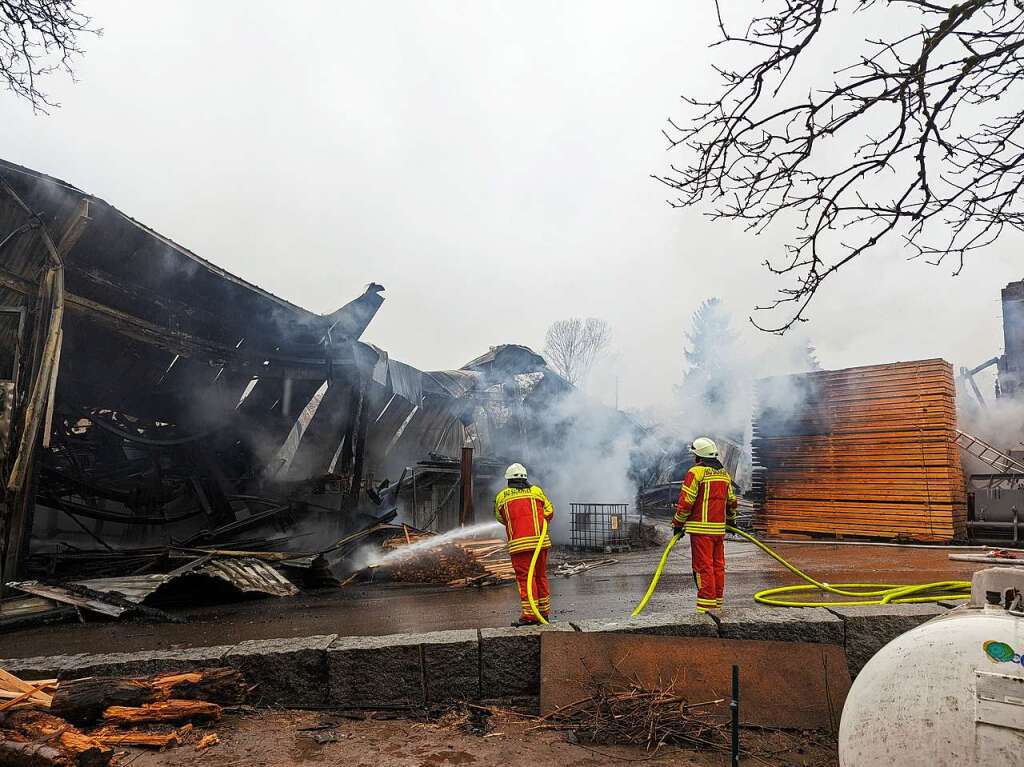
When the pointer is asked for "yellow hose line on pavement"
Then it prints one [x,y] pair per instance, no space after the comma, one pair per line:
[857,593]
[529,574]
[657,575]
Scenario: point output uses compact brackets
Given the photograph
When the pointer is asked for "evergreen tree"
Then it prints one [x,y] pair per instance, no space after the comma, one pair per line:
[709,356]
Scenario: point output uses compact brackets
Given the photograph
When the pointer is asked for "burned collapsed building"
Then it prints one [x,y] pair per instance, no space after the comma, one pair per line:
[150,397]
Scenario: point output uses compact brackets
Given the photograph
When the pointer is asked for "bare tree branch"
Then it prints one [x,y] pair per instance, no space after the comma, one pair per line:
[919,139]
[38,38]
[572,346]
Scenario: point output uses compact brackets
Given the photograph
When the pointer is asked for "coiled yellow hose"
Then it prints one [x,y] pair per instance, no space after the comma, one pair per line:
[529,574]
[857,593]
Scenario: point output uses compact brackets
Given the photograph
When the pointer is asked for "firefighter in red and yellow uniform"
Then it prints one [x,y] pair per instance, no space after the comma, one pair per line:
[522,508]
[706,503]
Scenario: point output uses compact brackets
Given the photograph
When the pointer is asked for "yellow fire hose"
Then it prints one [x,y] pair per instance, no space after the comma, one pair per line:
[657,575]
[529,574]
[857,593]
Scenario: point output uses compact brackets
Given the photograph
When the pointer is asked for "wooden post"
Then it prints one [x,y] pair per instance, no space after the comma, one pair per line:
[466,501]
[415,501]
[20,495]
[359,436]
[48,420]
[348,448]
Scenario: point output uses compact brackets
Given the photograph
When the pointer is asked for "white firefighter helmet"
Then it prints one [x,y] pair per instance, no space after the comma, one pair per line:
[703,447]
[515,471]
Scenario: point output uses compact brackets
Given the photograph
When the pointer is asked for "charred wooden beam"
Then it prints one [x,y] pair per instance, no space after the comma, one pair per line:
[347,447]
[366,405]
[85,700]
[38,406]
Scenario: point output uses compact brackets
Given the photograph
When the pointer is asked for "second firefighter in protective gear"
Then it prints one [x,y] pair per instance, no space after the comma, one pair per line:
[706,503]
[522,508]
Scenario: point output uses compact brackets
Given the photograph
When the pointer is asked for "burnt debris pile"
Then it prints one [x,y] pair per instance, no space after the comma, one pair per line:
[169,431]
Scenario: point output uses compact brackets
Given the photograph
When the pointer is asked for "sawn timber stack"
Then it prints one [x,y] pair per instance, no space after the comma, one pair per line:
[862,452]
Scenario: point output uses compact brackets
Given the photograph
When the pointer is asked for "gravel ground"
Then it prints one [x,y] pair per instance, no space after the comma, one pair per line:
[286,738]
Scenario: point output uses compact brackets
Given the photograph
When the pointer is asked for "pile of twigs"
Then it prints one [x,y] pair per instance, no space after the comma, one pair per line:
[638,715]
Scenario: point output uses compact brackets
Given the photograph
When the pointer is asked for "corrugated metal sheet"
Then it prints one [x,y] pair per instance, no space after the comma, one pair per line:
[406,381]
[249,576]
[31,610]
[455,383]
[62,595]
[508,355]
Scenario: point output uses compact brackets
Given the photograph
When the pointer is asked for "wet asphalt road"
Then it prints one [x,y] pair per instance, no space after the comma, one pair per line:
[607,593]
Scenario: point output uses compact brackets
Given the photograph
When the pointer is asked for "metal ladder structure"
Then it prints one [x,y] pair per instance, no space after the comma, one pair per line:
[983,451]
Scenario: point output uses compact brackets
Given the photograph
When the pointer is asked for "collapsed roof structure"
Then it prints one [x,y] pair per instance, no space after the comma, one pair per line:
[148,396]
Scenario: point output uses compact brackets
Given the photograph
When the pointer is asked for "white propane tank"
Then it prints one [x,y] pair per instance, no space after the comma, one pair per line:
[949,693]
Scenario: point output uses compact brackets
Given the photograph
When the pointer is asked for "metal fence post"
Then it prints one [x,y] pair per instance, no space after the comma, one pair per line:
[734,706]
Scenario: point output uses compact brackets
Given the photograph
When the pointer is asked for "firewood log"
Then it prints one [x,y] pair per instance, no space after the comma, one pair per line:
[163,711]
[18,751]
[108,736]
[217,685]
[75,747]
[85,700]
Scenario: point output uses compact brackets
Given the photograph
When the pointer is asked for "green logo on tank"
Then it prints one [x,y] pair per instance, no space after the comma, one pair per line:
[1000,652]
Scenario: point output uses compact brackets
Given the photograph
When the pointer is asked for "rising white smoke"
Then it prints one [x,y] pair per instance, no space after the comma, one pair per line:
[593,453]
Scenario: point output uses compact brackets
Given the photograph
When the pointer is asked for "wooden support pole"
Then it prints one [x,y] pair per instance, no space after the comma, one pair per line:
[466,516]
[359,452]
[34,410]
[50,303]
[347,448]
[48,421]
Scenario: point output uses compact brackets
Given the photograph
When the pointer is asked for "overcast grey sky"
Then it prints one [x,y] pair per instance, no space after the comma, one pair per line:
[487,162]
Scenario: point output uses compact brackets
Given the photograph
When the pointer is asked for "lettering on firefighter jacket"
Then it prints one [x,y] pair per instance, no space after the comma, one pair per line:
[706,501]
[523,510]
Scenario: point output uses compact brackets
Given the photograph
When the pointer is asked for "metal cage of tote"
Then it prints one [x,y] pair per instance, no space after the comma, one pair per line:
[602,526]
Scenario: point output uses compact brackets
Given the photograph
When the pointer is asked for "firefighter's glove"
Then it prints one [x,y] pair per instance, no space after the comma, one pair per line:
[678,530]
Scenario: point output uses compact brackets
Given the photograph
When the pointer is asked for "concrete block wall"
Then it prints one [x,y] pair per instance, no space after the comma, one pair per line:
[410,670]
[869,629]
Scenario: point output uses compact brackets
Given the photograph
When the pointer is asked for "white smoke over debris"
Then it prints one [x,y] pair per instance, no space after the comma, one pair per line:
[720,368]
[582,454]
[580,451]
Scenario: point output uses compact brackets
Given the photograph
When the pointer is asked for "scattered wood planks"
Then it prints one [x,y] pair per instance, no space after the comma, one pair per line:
[492,555]
[17,693]
[866,452]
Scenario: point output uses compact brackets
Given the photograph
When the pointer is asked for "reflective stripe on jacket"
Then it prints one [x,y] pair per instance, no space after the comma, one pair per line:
[523,510]
[706,501]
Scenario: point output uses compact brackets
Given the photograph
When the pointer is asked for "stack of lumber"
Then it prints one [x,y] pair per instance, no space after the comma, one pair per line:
[492,555]
[863,452]
[40,721]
